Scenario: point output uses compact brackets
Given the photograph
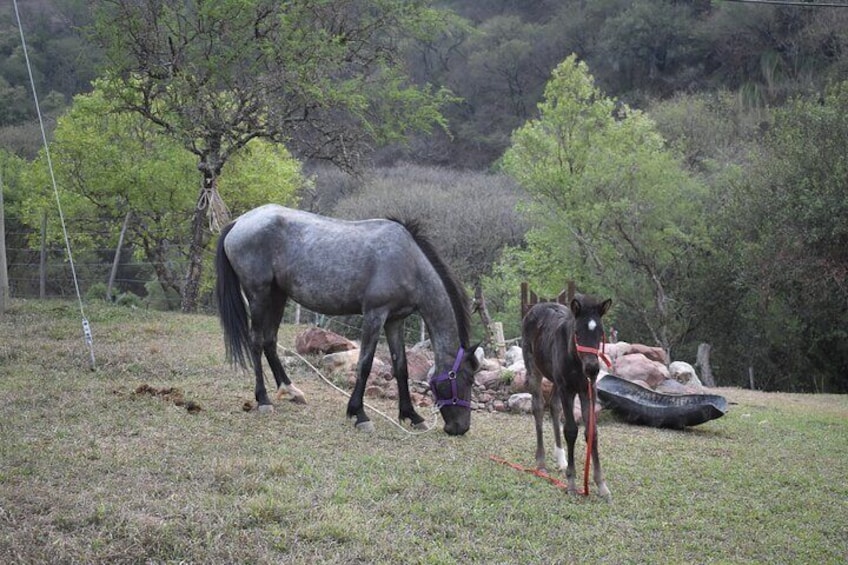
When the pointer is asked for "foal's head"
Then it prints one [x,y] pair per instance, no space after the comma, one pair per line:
[589,331]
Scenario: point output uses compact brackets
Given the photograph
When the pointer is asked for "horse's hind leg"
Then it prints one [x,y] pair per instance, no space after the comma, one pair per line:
[266,313]
[394,336]
[269,346]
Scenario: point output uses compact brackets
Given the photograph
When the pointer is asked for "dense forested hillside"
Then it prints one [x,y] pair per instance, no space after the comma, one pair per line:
[688,160]
[497,55]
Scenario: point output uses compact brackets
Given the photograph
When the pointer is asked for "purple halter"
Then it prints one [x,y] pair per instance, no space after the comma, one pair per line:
[455,400]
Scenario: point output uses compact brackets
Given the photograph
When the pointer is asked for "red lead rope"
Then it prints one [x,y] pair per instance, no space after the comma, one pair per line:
[553,480]
[590,431]
[590,438]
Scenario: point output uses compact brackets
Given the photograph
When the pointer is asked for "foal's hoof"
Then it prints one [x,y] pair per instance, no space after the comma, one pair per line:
[265,408]
[365,427]
[420,426]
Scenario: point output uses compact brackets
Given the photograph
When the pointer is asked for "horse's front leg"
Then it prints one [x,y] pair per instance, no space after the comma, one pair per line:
[567,399]
[406,411]
[556,422]
[587,408]
[371,324]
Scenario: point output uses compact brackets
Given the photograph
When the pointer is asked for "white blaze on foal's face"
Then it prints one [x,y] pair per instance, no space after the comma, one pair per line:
[592,325]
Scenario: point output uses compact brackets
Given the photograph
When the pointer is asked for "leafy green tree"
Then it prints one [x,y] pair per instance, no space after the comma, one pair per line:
[324,78]
[110,165]
[612,206]
[793,246]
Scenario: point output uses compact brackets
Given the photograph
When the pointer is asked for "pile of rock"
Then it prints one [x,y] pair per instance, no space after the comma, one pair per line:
[499,386]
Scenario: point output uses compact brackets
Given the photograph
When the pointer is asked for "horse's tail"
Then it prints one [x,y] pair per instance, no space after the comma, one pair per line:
[231,308]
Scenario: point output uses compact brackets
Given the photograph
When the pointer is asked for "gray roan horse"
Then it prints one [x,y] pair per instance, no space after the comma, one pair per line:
[562,344]
[382,269]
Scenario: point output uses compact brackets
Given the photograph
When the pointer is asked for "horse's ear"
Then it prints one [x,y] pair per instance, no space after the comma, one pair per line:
[471,357]
[605,306]
[575,307]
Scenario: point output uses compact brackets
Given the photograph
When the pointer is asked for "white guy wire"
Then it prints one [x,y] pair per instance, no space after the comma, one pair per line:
[85,326]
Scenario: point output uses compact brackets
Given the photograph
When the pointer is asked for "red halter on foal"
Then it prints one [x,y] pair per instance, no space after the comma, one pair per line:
[594,350]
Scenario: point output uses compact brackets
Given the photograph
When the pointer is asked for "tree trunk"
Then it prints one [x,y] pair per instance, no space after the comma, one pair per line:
[481,305]
[702,362]
[483,310]
[210,212]
[199,239]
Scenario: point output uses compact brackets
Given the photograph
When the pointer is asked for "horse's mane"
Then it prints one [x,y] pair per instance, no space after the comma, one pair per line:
[456,292]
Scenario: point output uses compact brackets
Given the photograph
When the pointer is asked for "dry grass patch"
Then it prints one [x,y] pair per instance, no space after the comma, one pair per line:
[106,466]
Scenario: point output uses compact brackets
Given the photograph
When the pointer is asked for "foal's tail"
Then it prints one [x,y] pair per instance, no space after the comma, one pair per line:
[231,308]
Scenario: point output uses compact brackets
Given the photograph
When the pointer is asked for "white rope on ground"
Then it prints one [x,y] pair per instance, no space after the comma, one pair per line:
[86,328]
[435,410]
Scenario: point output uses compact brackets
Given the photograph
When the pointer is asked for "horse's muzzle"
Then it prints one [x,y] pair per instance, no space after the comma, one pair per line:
[457,420]
[591,367]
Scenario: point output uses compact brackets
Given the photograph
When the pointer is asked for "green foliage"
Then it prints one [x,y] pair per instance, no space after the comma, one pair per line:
[129,300]
[159,298]
[794,242]
[612,207]
[285,72]
[110,163]
[97,291]
[501,288]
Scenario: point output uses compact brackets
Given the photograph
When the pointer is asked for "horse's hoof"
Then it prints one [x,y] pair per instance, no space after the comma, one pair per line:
[365,427]
[297,395]
[605,493]
[265,408]
[420,426]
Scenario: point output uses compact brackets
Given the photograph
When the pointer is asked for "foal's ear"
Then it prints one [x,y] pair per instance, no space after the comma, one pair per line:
[605,306]
[575,307]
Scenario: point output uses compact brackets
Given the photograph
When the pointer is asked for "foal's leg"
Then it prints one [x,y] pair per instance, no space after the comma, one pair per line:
[567,399]
[534,383]
[556,422]
[372,321]
[588,410]
[394,336]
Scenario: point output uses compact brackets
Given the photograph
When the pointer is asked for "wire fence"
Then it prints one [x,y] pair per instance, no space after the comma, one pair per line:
[34,277]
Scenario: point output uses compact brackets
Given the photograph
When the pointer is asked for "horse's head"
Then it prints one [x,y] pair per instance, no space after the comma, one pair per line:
[452,392]
[589,331]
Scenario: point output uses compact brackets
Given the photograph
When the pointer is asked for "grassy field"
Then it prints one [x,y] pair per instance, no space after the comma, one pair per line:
[151,458]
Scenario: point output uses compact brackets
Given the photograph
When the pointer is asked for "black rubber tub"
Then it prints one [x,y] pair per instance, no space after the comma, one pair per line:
[639,405]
